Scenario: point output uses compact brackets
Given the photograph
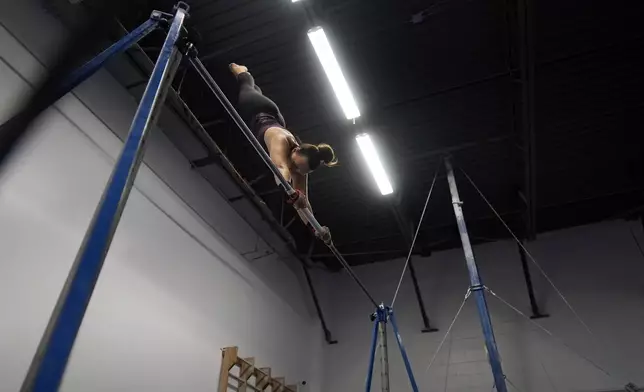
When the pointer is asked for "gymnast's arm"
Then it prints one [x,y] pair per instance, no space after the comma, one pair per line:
[279,150]
[300,183]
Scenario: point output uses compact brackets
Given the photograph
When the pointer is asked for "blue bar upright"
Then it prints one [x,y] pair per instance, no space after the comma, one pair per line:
[48,366]
[88,69]
[403,351]
[372,353]
[476,285]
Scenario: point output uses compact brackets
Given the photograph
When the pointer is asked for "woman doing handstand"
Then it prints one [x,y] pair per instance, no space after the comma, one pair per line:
[294,160]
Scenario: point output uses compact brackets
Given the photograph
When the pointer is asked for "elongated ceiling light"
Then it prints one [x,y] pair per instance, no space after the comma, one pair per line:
[333,72]
[375,165]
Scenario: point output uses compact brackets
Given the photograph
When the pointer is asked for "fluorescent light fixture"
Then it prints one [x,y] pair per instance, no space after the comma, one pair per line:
[294,1]
[373,161]
[333,72]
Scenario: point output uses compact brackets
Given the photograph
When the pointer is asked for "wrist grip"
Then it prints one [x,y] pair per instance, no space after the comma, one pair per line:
[292,198]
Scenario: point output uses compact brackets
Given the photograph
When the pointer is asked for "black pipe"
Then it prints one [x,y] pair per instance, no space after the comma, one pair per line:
[527,71]
[421,303]
[327,333]
[536,312]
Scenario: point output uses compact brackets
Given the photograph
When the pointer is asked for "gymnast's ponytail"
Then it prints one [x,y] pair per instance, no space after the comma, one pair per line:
[316,154]
[327,155]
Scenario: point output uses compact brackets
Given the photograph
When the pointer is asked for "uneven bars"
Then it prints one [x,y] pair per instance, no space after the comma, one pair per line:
[212,84]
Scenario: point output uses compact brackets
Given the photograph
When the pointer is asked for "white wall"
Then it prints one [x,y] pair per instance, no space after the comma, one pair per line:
[174,289]
[598,268]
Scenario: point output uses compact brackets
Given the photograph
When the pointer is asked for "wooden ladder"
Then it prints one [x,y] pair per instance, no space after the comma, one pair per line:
[246,370]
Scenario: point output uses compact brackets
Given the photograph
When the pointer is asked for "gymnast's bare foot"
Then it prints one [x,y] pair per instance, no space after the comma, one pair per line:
[237,69]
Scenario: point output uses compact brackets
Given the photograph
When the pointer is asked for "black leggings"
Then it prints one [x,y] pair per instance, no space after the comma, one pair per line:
[252,102]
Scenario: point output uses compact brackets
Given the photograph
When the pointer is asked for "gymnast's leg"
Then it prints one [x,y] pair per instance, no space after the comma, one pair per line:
[251,100]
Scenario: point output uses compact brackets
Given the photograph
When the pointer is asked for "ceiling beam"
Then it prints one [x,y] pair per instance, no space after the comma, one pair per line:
[458,148]
[394,252]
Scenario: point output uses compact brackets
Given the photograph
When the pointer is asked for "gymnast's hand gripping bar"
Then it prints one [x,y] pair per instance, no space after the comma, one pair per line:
[210,81]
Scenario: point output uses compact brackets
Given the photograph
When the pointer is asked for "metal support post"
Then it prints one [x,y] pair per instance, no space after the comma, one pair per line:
[380,318]
[403,351]
[536,312]
[476,285]
[384,350]
[372,351]
[13,129]
[48,366]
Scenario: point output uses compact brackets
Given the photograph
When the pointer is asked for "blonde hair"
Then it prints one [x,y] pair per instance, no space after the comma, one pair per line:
[327,155]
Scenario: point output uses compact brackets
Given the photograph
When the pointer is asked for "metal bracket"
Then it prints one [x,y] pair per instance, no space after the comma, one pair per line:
[161,16]
[181,5]
[165,18]
[191,51]
[380,314]
[186,47]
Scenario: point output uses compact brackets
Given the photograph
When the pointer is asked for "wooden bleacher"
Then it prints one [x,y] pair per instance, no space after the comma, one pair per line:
[240,374]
